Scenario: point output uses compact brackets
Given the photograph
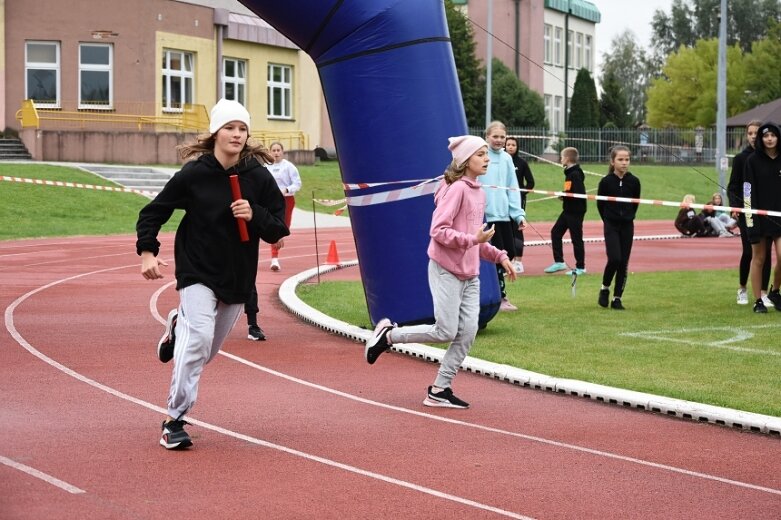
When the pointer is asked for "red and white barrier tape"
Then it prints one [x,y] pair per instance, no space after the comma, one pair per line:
[64,184]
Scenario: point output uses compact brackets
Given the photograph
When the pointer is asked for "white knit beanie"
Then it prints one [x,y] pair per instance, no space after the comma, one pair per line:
[463,146]
[226,111]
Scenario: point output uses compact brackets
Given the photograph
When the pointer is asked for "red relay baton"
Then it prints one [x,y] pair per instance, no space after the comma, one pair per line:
[236,190]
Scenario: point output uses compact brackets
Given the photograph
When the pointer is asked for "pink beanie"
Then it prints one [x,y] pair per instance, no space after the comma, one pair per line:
[463,146]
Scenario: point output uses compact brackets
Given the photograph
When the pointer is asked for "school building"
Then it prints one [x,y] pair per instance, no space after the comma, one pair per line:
[126,81]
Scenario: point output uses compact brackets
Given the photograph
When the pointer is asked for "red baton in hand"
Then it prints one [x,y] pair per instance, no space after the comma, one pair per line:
[236,190]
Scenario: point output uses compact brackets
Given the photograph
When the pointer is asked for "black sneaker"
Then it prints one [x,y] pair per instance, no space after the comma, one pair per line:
[165,347]
[255,333]
[774,296]
[444,399]
[174,437]
[604,297]
[759,306]
[378,343]
[616,304]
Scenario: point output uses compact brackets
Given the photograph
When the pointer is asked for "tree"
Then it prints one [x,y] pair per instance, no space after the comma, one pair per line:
[628,62]
[471,76]
[686,93]
[613,108]
[763,66]
[514,103]
[584,107]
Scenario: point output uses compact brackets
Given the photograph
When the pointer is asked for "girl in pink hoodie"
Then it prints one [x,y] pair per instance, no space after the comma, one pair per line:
[459,240]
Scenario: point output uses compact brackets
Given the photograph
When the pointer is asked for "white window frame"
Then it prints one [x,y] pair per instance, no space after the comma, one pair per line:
[32,65]
[557,102]
[548,114]
[570,48]
[283,88]
[579,51]
[186,79]
[238,79]
[548,45]
[589,58]
[557,48]
[92,67]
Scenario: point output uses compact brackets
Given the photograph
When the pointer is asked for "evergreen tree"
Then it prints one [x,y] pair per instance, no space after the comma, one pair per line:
[613,108]
[514,103]
[471,76]
[584,106]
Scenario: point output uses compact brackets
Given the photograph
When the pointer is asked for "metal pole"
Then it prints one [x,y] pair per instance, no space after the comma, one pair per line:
[721,100]
[566,68]
[488,65]
[518,38]
[317,249]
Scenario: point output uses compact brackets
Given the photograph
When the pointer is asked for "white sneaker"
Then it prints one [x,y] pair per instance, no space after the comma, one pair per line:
[275,264]
[767,301]
[742,297]
[518,266]
[506,306]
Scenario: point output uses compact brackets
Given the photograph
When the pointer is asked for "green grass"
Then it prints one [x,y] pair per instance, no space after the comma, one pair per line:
[558,335]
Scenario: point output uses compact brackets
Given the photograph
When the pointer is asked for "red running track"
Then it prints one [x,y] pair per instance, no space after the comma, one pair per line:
[300,426]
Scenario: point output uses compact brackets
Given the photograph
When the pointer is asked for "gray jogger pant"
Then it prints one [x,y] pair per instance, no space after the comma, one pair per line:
[202,325]
[456,313]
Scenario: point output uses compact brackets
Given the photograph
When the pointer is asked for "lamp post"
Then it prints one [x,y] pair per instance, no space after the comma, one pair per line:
[721,100]
[488,65]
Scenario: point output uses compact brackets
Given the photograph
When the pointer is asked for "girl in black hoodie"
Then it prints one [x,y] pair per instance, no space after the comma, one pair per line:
[618,223]
[762,190]
[215,265]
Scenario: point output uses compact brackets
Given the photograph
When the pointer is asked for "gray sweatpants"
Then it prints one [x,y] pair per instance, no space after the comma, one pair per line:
[456,313]
[201,327]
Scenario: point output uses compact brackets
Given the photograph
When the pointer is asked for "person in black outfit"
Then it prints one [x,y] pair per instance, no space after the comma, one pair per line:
[735,197]
[571,217]
[618,223]
[215,265]
[762,190]
[525,182]
[688,222]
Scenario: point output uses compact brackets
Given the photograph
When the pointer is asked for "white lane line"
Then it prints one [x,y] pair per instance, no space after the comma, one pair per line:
[41,475]
[550,442]
[9,324]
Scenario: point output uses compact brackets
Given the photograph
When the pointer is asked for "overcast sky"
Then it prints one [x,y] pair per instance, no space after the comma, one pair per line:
[619,15]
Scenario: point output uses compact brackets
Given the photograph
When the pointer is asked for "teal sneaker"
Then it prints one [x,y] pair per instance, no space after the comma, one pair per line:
[556,267]
[576,271]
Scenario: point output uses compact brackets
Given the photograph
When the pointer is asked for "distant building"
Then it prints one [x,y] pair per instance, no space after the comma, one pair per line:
[539,40]
[127,81]
[769,112]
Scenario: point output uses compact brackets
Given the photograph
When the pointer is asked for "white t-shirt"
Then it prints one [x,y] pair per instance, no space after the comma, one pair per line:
[286,175]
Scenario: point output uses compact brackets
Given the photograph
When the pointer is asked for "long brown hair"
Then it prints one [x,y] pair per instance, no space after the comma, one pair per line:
[455,171]
[204,144]
[613,152]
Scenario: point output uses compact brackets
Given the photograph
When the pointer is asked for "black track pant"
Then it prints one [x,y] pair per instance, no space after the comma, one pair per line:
[618,246]
[251,307]
[574,223]
[503,239]
[747,254]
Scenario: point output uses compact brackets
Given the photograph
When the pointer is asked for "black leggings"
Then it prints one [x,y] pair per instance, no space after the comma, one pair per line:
[747,254]
[503,239]
[574,223]
[618,246]
[251,307]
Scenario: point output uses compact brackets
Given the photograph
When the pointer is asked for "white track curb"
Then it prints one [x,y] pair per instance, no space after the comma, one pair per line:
[673,407]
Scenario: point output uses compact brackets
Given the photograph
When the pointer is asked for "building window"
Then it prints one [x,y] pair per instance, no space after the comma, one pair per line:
[95,75]
[548,115]
[557,114]
[280,89]
[589,60]
[579,51]
[234,80]
[557,45]
[548,43]
[178,79]
[42,73]
[570,54]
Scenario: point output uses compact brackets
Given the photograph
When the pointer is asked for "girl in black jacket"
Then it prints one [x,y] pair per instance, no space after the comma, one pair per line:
[618,223]
[762,190]
[215,266]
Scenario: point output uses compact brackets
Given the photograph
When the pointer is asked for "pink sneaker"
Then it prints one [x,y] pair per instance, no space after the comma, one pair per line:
[507,306]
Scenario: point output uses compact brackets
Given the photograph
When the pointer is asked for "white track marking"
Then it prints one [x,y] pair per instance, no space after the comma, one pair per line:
[41,475]
[9,324]
[595,452]
[739,334]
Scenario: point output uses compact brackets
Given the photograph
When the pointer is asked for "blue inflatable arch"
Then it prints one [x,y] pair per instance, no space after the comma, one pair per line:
[393,98]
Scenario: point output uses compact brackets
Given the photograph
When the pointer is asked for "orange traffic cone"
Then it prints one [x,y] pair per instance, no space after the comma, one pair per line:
[333,256]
